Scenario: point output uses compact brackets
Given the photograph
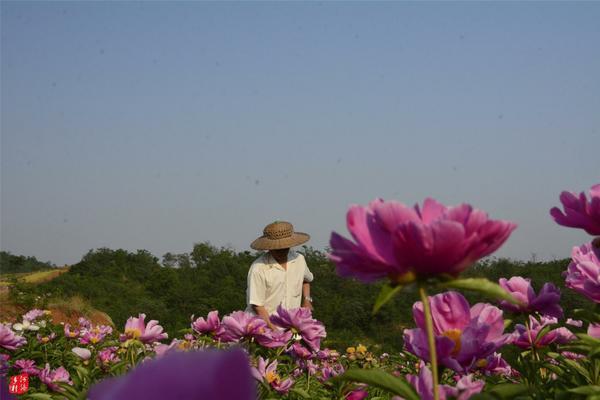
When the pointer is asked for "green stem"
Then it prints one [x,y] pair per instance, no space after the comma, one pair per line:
[431,341]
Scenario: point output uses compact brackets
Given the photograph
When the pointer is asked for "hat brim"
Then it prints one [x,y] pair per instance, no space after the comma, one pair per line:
[264,243]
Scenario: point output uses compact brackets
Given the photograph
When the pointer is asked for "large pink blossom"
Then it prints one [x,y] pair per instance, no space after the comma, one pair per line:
[579,212]
[583,273]
[52,377]
[300,321]
[393,240]
[9,340]
[27,366]
[546,302]
[465,337]
[241,325]
[136,328]
[210,326]
[531,335]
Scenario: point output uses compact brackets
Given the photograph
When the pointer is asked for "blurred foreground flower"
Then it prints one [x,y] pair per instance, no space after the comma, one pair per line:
[464,337]
[583,273]
[546,303]
[579,212]
[183,375]
[399,242]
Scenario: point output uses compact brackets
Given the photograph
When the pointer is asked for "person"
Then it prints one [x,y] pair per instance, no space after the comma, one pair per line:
[280,276]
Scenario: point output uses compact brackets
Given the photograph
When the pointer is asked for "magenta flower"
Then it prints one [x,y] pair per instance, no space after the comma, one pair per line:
[52,377]
[396,241]
[583,273]
[528,336]
[241,325]
[71,333]
[273,338]
[594,330]
[210,326]
[96,334]
[546,303]
[300,321]
[136,328]
[496,365]
[265,372]
[300,351]
[192,375]
[423,384]
[9,340]
[27,366]
[464,337]
[578,212]
[358,394]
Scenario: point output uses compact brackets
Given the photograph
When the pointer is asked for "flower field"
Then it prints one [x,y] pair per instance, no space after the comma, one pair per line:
[517,344]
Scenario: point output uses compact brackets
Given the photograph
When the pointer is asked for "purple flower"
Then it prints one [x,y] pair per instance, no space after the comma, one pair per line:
[265,372]
[399,242]
[300,321]
[210,326]
[27,366]
[241,325]
[45,339]
[71,333]
[496,365]
[136,328]
[529,336]
[108,355]
[578,212]
[190,375]
[358,394]
[52,377]
[423,384]
[273,338]
[546,303]
[463,336]
[300,351]
[34,314]
[9,340]
[583,273]
[594,330]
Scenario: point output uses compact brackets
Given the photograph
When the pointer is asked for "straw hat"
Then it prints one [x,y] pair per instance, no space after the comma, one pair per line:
[279,235]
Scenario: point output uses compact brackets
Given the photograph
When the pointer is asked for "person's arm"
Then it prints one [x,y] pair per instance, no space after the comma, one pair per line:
[307,300]
[261,311]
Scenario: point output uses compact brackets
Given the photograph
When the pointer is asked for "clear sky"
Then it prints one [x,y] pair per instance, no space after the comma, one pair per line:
[157,125]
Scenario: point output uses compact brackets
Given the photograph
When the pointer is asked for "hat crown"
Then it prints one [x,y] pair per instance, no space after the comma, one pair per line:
[278,230]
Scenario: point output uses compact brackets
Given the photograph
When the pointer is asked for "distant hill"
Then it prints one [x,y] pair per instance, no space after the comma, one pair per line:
[10,263]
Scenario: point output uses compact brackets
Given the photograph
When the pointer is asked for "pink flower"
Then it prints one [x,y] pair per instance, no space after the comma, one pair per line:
[136,328]
[9,340]
[528,336]
[82,353]
[108,355]
[210,326]
[464,337]
[583,273]
[27,366]
[300,320]
[241,325]
[358,394]
[594,330]
[273,338]
[300,351]
[546,303]
[71,333]
[396,241]
[423,384]
[34,314]
[52,377]
[575,322]
[578,212]
[45,339]
[265,372]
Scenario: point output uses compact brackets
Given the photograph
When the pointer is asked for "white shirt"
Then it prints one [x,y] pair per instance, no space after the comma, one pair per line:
[270,285]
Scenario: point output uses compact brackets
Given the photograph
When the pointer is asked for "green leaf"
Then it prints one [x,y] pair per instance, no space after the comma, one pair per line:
[386,294]
[380,379]
[480,285]
[301,392]
[587,390]
[39,396]
[508,390]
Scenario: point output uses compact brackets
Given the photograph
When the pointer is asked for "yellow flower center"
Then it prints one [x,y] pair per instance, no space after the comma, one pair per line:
[404,278]
[454,334]
[481,363]
[272,377]
[134,333]
[72,334]
[94,340]
[350,350]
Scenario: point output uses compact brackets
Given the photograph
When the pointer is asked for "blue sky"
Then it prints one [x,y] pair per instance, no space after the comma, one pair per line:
[157,125]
